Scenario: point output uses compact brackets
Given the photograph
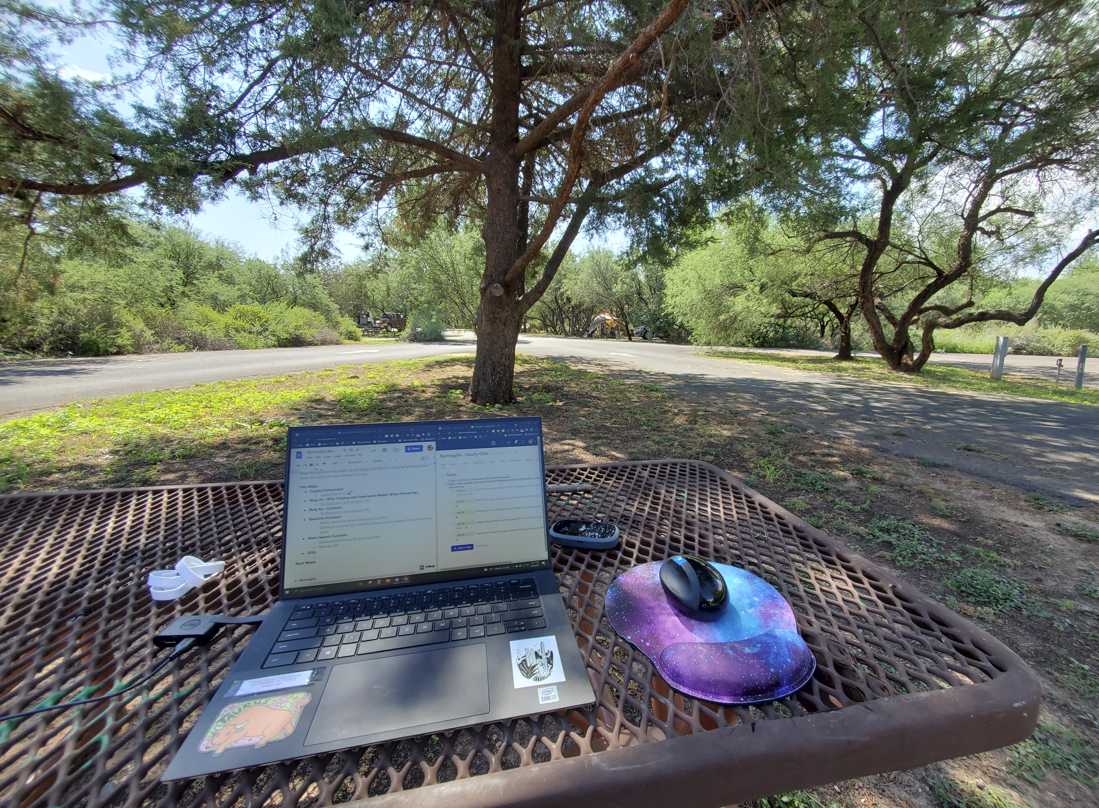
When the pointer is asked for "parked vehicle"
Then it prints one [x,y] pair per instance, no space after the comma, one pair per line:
[390,321]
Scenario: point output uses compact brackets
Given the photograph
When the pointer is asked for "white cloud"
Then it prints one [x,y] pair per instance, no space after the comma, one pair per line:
[74,72]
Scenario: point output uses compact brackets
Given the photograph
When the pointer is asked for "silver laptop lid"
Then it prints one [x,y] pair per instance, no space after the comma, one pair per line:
[375,505]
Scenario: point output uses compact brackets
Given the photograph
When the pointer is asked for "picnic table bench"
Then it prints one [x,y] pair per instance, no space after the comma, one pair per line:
[901,681]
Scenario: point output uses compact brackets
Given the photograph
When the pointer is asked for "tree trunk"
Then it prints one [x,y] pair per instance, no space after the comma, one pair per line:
[500,313]
[845,354]
[494,370]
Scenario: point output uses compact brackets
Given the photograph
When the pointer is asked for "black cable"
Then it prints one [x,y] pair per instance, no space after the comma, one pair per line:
[182,647]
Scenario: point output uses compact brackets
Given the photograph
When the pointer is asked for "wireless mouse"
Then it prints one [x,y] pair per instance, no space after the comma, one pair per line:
[694,587]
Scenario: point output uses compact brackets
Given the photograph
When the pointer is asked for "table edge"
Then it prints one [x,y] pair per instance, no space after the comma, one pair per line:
[736,764]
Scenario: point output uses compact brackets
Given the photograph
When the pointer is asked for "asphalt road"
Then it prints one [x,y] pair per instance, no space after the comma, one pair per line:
[1044,447]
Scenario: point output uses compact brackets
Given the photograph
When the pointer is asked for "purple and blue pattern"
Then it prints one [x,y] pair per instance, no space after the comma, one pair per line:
[752,653]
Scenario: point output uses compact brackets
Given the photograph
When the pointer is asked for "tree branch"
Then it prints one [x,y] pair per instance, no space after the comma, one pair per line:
[855,235]
[225,170]
[613,78]
[1023,317]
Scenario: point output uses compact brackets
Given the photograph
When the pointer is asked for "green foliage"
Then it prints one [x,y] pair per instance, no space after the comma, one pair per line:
[1080,530]
[932,375]
[889,122]
[1078,677]
[986,588]
[171,290]
[794,799]
[952,794]
[717,290]
[425,325]
[606,283]
[912,545]
[1042,503]
[1054,748]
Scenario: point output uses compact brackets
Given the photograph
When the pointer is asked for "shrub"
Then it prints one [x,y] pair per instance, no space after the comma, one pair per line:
[347,329]
[1032,339]
[425,325]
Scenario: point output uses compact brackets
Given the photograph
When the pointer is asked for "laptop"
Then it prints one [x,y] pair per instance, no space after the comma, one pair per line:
[416,597]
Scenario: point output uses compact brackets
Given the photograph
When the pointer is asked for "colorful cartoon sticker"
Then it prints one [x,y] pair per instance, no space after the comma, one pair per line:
[536,661]
[254,722]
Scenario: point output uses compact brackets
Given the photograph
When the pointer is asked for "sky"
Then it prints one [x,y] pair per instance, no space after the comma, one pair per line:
[264,230]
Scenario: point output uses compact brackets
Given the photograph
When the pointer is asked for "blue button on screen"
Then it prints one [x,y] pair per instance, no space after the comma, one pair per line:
[414,448]
[454,548]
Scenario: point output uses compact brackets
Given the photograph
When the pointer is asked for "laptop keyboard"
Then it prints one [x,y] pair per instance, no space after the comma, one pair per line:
[339,629]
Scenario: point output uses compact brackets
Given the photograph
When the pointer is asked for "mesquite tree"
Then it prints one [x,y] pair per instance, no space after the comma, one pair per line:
[968,135]
[524,115]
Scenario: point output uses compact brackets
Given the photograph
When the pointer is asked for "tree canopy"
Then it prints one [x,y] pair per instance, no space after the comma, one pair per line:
[525,116]
[945,144]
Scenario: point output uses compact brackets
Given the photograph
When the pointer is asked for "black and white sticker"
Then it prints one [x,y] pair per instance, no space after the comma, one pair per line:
[536,661]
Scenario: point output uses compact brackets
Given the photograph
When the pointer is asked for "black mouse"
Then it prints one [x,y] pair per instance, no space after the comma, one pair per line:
[694,587]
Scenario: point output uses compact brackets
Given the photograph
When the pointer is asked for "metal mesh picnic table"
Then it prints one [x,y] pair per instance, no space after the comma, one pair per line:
[901,681]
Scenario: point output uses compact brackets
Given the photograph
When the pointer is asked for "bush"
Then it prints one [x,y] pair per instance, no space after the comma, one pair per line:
[425,325]
[1031,339]
[347,329]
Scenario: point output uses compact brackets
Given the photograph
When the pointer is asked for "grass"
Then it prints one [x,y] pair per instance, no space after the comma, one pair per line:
[1079,678]
[951,794]
[986,588]
[1054,748]
[938,376]
[793,799]
[1079,531]
[1040,503]
[236,430]
[912,545]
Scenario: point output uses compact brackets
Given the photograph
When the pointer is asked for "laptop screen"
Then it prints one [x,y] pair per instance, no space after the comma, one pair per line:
[377,505]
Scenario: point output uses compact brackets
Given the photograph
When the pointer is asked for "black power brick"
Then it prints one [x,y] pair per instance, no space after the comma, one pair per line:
[202,628]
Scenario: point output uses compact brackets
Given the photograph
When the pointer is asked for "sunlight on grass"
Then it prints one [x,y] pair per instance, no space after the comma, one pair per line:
[174,424]
[934,376]
[236,430]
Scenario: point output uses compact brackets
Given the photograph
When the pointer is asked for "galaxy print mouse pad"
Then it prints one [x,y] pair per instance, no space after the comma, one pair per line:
[752,653]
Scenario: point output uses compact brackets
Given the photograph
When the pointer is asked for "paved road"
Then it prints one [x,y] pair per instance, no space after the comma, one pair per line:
[1044,447]
[41,383]
[1051,448]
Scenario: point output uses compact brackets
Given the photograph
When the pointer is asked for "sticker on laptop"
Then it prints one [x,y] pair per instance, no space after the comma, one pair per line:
[280,681]
[254,722]
[536,661]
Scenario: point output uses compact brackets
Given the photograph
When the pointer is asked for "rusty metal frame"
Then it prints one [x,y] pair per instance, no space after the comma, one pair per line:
[901,680]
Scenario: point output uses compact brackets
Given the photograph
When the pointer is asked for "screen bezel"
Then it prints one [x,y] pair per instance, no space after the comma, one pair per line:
[416,579]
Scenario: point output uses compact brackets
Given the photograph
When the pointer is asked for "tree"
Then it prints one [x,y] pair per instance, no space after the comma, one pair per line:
[968,134]
[607,283]
[717,291]
[557,311]
[523,115]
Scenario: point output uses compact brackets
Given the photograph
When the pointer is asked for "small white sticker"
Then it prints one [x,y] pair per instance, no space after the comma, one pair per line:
[536,661]
[250,687]
[548,695]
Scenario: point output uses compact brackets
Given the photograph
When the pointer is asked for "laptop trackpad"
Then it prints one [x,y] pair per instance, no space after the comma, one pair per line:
[401,692]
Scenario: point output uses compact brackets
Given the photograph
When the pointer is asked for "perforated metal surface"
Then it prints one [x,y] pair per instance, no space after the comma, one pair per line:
[76,620]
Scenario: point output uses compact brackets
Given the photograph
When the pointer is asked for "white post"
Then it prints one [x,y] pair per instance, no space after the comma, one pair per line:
[999,354]
[1080,366]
